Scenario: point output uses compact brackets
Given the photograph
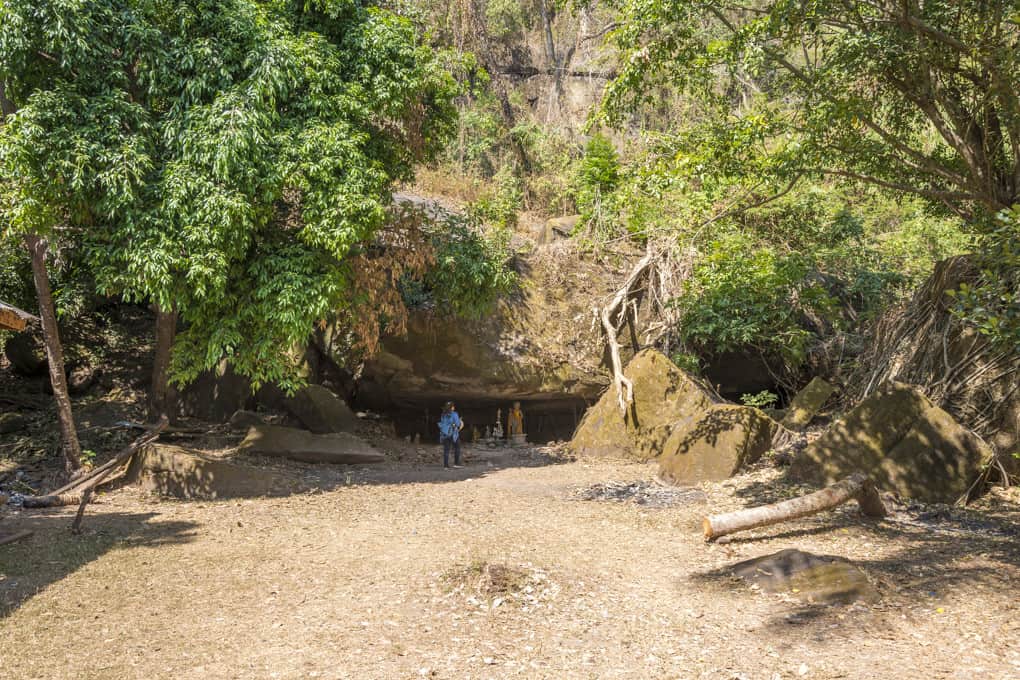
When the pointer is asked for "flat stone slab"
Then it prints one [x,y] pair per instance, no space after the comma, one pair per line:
[287,442]
[184,473]
[818,578]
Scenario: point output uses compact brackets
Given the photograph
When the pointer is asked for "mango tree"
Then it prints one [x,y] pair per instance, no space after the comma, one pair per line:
[221,157]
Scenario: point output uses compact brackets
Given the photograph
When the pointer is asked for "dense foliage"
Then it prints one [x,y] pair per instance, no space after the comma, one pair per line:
[220,157]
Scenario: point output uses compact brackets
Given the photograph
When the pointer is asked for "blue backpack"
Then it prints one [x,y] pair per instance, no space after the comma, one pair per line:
[448,425]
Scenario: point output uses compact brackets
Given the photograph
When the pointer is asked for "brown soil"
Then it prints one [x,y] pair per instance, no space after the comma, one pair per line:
[499,570]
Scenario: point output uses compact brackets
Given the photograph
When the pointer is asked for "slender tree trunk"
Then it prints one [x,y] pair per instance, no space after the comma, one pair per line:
[161,398]
[7,107]
[54,352]
[550,54]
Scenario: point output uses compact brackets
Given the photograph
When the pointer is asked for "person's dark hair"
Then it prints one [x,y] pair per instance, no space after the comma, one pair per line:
[447,407]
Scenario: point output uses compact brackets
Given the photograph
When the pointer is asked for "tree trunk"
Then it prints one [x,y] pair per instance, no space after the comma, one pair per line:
[7,107]
[161,398]
[856,486]
[550,54]
[54,352]
[624,387]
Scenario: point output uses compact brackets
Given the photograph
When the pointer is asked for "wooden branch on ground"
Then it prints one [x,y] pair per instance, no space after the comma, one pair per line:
[51,501]
[856,486]
[624,387]
[78,486]
[97,478]
[4,540]
[23,401]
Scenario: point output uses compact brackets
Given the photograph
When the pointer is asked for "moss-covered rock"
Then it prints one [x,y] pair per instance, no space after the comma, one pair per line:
[903,441]
[807,404]
[715,444]
[664,397]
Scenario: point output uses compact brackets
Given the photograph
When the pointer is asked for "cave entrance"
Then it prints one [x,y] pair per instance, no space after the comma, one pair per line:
[735,374]
[545,419]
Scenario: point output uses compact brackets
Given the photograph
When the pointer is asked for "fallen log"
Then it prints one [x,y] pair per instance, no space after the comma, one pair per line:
[79,485]
[75,484]
[857,486]
[4,540]
[53,500]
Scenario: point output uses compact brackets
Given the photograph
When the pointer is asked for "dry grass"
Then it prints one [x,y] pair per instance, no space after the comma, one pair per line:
[495,571]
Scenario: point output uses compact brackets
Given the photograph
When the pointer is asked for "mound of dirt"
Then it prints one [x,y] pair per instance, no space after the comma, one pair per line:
[901,440]
[300,445]
[715,444]
[664,397]
[183,473]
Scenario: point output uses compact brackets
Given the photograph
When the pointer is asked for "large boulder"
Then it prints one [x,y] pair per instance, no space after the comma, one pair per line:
[922,342]
[807,403]
[287,442]
[903,441]
[25,354]
[321,411]
[12,422]
[664,397]
[183,473]
[715,444]
[216,395]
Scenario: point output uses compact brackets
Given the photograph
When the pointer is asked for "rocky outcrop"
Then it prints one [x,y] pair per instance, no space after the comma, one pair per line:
[715,444]
[664,398]
[923,343]
[903,442]
[536,345]
[321,411]
[285,442]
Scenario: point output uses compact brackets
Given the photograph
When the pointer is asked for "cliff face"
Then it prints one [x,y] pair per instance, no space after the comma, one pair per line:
[538,346]
[561,66]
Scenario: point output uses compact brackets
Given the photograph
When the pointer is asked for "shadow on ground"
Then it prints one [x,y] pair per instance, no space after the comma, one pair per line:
[53,552]
[926,565]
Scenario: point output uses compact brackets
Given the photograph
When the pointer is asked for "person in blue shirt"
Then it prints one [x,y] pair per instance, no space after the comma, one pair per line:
[450,426]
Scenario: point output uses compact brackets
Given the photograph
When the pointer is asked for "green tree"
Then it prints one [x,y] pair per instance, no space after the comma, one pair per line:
[222,157]
[918,97]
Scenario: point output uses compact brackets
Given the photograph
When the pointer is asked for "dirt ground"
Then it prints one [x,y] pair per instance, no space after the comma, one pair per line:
[499,570]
